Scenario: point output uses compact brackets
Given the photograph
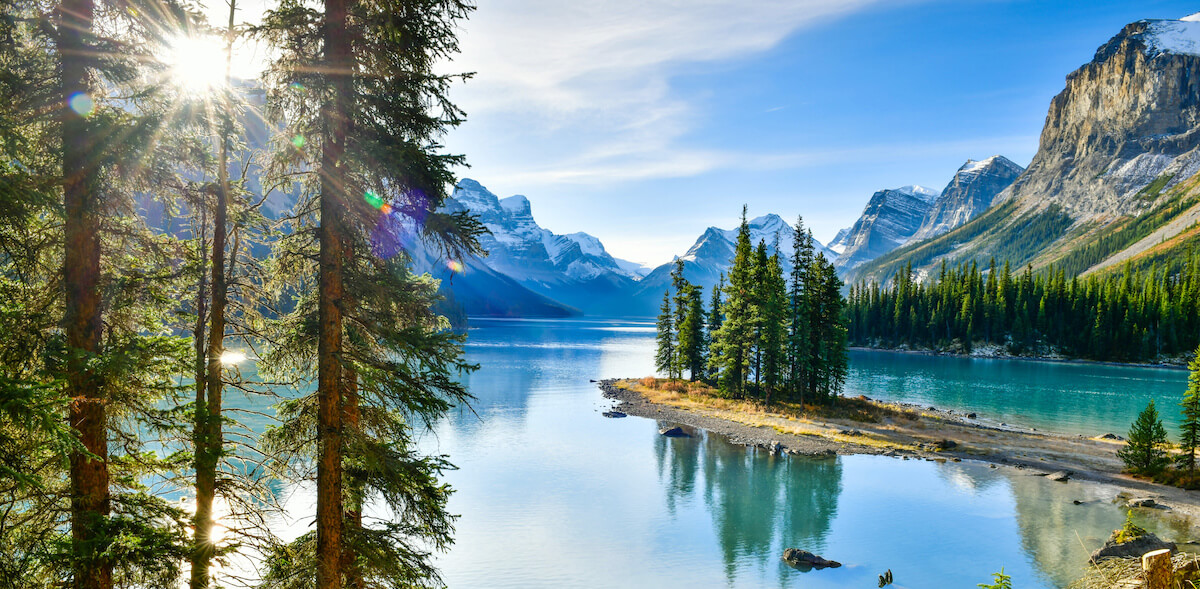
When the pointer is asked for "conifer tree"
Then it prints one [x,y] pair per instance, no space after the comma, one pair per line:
[1189,427]
[692,345]
[713,325]
[664,356]
[365,110]
[759,294]
[775,327]
[1145,451]
[684,345]
[733,340]
[799,320]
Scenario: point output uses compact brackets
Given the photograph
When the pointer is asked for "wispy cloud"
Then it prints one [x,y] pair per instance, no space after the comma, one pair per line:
[581,90]
[680,162]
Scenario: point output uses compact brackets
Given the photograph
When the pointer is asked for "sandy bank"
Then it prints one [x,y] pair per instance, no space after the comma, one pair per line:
[909,432]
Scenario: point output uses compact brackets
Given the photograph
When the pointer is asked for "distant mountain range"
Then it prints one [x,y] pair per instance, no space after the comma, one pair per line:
[1116,178]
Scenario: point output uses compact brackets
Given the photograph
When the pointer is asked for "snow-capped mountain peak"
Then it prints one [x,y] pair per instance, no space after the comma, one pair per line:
[919,191]
[557,266]
[1173,36]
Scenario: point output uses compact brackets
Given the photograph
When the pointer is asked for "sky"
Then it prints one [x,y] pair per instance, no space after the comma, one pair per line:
[643,122]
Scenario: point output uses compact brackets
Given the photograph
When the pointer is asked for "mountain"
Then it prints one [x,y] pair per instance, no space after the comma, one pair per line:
[890,218]
[974,186]
[1115,175]
[710,257]
[574,270]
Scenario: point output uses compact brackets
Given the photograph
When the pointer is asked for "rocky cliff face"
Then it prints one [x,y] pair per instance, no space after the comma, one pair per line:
[1129,117]
[974,186]
[890,218]
[1120,141]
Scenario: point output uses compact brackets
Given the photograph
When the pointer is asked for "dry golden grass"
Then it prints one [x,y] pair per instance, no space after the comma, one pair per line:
[784,418]
[1117,573]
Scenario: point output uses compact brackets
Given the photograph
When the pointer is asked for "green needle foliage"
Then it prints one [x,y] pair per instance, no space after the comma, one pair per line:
[1146,450]
[765,338]
[1189,428]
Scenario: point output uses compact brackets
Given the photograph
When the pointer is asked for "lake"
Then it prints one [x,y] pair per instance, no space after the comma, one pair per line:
[552,494]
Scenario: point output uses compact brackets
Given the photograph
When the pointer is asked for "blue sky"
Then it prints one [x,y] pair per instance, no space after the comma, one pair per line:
[644,121]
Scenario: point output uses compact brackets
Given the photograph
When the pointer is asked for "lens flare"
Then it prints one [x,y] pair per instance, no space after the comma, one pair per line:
[197,64]
[298,142]
[232,357]
[455,266]
[82,104]
[373,199]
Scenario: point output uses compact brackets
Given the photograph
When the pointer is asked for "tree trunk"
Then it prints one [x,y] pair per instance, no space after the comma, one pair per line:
[210,439]
[201,519]
[331,259]
[354,577]
[82,322]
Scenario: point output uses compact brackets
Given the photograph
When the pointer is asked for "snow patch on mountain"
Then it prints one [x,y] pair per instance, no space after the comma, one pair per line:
[565,268]
[1173,36]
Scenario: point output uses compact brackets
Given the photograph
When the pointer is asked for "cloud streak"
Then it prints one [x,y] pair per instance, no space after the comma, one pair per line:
[581,90]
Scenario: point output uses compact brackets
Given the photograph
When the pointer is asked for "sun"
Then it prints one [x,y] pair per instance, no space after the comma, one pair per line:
[196,64]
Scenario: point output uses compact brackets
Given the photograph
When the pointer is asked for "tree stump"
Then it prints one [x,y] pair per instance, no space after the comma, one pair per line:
[1157,565]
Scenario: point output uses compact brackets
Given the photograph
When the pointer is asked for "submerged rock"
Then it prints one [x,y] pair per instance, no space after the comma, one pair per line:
[805,560]
[673,432]
[613,414]
[1111,437]
[1061,476]
[1135,548]
[1142,502]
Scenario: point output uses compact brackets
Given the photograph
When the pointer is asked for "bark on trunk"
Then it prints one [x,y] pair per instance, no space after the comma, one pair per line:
[210,439]
[81,273]
[354,577]
[330,513]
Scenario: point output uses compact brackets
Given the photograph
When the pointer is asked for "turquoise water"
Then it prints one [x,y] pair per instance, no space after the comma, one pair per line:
[552,494]
[1087,399]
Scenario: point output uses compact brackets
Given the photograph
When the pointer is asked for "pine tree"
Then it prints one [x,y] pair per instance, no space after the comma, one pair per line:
[692,347]
[1189,427]
[664,357]
[759,312]
[713,325]
[799,322]
[366,109]
[1145,451]
[684,345]
[775,327]
[733,340]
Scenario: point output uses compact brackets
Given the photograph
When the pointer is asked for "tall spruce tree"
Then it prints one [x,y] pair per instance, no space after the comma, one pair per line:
[665,352]
[1189,427]
[800,316]
[758,313]
[713,325]
[774,316]
[365,109]
[679,307]
[733,340]
[692,345]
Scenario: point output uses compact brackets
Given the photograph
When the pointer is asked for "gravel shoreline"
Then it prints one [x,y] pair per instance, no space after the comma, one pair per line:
[938,435]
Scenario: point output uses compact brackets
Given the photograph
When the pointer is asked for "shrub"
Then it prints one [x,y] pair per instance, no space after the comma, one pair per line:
[649,382]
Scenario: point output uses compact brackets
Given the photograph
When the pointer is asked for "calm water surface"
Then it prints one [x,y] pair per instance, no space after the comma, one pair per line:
[552,494]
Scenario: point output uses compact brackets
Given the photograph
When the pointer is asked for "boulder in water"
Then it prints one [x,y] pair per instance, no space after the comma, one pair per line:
[805,560]
[1061,476]
[613,414]
[673,432]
